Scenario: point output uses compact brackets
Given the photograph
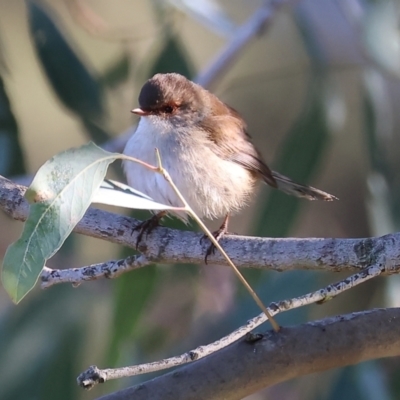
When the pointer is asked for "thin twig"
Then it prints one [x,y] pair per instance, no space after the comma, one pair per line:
[109,269]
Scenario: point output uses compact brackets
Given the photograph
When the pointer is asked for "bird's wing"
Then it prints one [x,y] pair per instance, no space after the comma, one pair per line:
[229,139]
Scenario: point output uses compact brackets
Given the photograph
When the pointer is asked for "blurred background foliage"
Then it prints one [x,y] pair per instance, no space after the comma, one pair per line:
[319,89]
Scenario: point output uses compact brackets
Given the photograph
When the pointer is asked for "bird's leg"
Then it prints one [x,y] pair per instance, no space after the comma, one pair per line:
[147,226]
[223,229]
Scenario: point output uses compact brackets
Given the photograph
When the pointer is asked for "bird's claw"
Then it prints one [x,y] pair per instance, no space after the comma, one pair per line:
[218,234]
[146,227]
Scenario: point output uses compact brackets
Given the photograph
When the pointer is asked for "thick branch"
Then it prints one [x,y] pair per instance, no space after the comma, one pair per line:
[246,366]
[165,246]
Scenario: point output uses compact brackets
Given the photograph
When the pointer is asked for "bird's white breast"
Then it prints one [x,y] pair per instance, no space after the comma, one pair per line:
[212,186]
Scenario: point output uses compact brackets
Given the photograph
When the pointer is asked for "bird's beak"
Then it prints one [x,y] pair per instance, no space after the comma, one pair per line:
[139,111]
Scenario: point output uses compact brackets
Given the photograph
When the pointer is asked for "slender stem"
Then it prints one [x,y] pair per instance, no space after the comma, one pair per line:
[133,159]
[168,178]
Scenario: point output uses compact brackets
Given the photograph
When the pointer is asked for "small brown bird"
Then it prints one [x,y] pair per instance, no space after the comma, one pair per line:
[205,148]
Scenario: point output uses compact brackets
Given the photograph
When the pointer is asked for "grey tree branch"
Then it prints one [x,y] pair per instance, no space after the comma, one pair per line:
[250,364]
[166,246]
[109,269]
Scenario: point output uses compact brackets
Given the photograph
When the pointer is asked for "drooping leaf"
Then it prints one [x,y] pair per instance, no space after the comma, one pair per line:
[11,156]
[70,78]
[61,192]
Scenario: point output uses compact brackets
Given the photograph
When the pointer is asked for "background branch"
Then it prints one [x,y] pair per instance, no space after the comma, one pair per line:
[257,23]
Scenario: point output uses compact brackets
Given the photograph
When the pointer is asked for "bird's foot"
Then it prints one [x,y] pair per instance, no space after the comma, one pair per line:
[223,230]
[146,227]
[218,234]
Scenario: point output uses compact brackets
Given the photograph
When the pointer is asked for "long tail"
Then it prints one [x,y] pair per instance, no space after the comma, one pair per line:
[288,186]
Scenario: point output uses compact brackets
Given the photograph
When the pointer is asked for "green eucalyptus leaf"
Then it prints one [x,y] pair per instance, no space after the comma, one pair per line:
[60,193]
[71,80]
[11,156]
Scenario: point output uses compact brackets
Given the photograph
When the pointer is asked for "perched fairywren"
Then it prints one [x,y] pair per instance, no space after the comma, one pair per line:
[205,148]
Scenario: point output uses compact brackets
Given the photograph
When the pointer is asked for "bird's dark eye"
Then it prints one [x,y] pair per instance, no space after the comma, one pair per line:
[168,109]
